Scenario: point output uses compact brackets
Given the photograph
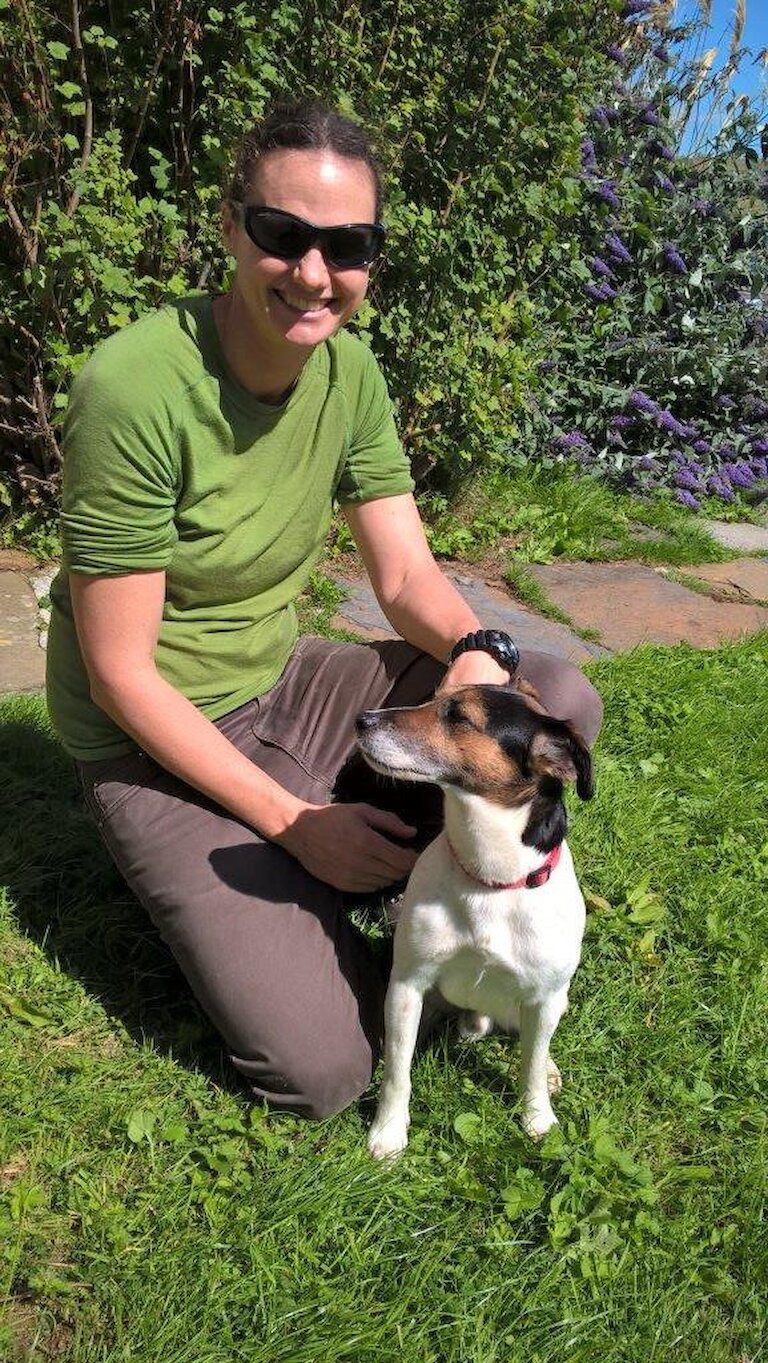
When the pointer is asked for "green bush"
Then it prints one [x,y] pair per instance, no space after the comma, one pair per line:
[117,139]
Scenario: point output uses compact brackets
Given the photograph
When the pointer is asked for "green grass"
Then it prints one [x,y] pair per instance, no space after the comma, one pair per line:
[538,515]
[148,1212]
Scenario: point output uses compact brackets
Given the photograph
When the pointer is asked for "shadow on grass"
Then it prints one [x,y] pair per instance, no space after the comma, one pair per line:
[67,896]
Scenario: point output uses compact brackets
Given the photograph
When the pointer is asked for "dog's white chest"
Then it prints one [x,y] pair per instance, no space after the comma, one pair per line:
[495,967]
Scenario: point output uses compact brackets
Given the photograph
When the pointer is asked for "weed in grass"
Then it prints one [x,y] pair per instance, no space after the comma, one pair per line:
[149,1211]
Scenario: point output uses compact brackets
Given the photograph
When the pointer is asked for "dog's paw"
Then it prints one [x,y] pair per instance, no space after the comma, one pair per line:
[554,1077]
[537,1120]
[473,1026]
[387,1139]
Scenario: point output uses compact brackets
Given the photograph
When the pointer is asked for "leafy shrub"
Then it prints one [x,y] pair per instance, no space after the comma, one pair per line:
[656,322]
[118,134]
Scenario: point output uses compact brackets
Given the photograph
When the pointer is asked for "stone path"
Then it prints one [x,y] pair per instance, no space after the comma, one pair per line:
[626,603]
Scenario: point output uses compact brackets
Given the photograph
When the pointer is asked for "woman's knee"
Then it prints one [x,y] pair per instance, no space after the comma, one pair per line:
[565,692]
[316,1090]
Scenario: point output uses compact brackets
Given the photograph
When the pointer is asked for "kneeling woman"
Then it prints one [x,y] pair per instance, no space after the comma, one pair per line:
[205,446]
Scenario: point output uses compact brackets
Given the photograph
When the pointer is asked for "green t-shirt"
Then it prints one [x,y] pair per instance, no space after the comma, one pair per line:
[170,463]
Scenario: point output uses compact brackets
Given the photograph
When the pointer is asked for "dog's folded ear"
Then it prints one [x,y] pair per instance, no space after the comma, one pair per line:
[560,751]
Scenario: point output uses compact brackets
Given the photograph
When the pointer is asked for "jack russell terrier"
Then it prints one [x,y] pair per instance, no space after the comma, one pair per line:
[492,915]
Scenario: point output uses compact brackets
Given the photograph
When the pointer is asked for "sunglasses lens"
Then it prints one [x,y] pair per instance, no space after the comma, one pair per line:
[350,247]
[278,234]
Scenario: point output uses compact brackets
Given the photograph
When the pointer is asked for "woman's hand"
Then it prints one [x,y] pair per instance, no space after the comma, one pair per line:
[340,845]
[475,667]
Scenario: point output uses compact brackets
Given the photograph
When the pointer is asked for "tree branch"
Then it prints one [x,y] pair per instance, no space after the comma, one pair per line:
[85,155]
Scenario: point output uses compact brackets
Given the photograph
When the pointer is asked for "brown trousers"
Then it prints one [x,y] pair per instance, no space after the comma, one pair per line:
[269,951]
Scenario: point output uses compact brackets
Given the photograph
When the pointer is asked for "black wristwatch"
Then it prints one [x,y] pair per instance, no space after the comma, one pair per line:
[494,641]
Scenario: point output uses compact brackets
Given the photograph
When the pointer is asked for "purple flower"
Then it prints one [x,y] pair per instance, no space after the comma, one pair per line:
[601,293]
[687,479]
[670,423]
[657,148]
[648,115]
[622,422]
[601,267]
[687,499]
[759,467]
[642,403]
[617,249]
[674,259]
[664,182]
[647,463]
[724,403]
[704,208]
[755,406]
[702,447]
[604,115]
[738,475]
[617,54]
[719,488]
[546,366]
[759,446]
[633,8]
[661,53]
[588,158]
[572,440]
[606,191]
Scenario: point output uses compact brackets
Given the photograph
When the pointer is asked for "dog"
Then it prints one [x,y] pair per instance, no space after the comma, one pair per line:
[492,916]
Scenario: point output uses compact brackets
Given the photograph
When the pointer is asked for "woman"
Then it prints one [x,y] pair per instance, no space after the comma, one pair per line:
[204,447]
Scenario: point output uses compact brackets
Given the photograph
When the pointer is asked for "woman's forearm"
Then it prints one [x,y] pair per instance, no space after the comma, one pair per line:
[177,735]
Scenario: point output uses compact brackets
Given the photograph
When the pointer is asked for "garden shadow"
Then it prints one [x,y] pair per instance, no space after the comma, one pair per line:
[67,897]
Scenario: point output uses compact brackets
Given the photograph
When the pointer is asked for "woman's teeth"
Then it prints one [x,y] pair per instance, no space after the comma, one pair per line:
[303,304]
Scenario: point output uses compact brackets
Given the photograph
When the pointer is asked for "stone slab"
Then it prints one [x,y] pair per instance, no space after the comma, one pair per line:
[361,612]
[631,604]
[747,577]
[22,660]
[739,535]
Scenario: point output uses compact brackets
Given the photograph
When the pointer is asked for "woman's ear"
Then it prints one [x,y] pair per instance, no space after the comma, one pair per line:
[229,225]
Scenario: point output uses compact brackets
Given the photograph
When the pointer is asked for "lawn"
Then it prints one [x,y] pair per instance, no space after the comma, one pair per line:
[150,1213]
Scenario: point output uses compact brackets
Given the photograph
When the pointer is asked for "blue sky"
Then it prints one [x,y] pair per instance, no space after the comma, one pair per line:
[751,79]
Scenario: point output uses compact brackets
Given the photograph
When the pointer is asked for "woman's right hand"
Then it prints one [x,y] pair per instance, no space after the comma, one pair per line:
[346,846]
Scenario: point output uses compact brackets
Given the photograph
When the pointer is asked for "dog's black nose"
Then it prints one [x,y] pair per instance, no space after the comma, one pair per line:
[367,720]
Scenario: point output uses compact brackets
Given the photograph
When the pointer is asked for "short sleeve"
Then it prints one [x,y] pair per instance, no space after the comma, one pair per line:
[376,464]
[120,469]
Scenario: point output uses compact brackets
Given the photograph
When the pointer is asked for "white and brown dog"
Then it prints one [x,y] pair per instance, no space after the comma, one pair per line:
[492,916]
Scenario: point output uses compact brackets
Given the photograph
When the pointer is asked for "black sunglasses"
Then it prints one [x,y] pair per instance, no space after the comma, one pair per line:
[349,246]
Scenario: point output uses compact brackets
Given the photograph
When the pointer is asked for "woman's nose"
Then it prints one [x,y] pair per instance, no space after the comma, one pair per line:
[312,268]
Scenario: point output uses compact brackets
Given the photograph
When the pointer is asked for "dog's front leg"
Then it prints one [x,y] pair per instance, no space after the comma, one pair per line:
[402,1013]
[537,1027]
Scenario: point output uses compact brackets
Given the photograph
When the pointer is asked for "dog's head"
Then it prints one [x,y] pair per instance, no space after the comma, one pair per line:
[488,740]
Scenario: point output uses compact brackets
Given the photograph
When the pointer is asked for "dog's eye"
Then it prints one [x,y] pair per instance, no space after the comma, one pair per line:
[455,715]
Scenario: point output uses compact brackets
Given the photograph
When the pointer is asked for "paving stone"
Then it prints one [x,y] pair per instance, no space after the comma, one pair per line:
[22,660]
[362,613]
[750,538]
[747,576]
[631,604]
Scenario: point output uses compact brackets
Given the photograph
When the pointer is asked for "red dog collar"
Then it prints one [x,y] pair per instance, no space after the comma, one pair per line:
[530,882]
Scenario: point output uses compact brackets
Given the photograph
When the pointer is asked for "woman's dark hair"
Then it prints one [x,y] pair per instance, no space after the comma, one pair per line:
[302,125]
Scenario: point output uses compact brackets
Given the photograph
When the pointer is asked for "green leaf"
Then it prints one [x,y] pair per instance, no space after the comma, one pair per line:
[33,1017]
[58,51]
[467,1125]
[140,1125]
